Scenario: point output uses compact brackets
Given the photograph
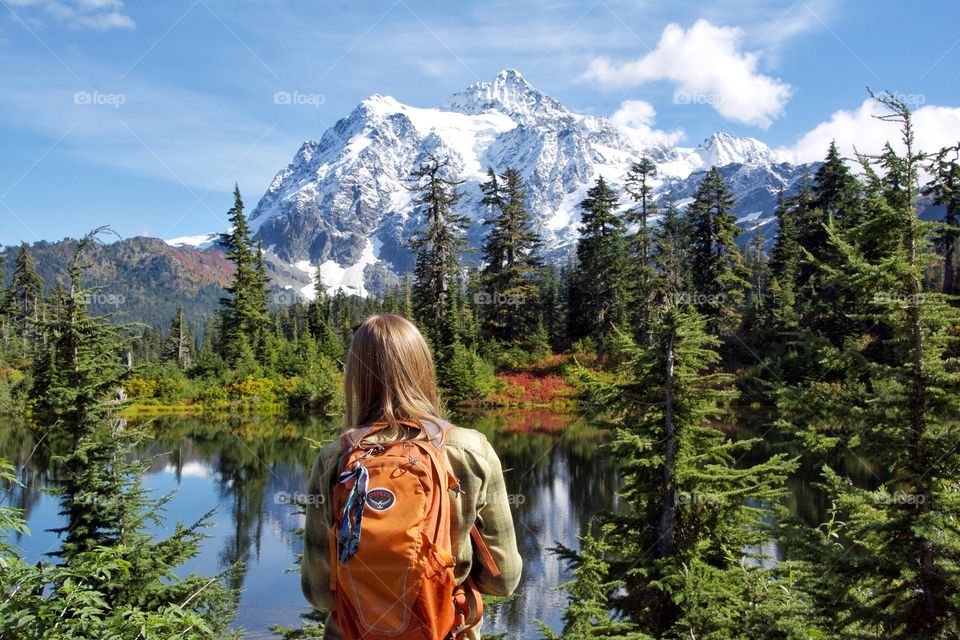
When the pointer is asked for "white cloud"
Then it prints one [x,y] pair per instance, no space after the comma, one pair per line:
[708,67]
[934,127]
[85,14]
[636,117]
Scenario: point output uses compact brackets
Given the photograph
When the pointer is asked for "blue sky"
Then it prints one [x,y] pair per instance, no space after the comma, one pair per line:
[141,115]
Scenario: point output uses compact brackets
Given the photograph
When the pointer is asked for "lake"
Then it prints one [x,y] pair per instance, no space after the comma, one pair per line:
[247,467]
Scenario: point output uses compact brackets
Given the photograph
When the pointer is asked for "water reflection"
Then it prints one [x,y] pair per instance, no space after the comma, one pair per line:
[246,467]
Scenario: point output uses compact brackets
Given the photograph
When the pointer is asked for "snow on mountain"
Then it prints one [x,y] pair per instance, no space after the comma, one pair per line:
[201,241]
[342,204]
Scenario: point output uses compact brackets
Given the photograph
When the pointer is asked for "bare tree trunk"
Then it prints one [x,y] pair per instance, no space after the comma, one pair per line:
[668,512]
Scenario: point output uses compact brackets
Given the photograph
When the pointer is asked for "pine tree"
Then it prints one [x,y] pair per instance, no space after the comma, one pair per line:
[589,611]
[510,312]
[553,313]
[243,312]
[177,345]
[259,308]
[784,262]
[945,189]
[885,565]
[687,540]
[114,578]
[638,185]
[758,266]
[598,295]
[836,193]
[716,265]
[438,243]
[25,302]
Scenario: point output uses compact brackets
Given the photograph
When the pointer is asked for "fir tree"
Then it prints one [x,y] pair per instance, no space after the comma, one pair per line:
[243,312]
[716,266]
[177,345]
[114,578]
[438,243]
[885,564]
[945,189]
[598,295]
[510,262]
[638,185]
[687,542]
[25,302]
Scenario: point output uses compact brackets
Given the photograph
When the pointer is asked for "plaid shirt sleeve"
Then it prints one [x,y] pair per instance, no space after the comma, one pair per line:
[484,501]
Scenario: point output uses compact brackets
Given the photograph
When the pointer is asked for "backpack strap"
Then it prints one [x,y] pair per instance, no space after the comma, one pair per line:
[468,605]
[436,430]
[484,552]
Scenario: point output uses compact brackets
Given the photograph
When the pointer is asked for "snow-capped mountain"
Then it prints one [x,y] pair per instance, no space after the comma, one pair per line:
[342,204]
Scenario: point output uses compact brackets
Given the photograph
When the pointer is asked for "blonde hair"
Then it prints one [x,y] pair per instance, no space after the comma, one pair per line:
[389,375]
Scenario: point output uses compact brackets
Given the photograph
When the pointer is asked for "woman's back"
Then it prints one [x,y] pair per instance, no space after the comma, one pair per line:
[390,382]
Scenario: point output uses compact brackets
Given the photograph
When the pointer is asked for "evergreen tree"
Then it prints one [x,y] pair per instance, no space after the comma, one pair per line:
[553,313]
[588,613]
[885,564]
[438,243]
[114,578]
[510,312]
[784,262]
[638,185]
[259,308]
[945,189]
[758,266]
[243,312]
[598,295]
[25,302]
[177,345]
[716,266]
[689,537]
[836,194]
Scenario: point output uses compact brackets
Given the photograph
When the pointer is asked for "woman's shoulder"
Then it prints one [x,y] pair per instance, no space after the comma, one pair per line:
[470,439]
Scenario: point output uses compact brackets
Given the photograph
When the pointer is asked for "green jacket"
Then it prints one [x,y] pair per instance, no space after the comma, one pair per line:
[483,500]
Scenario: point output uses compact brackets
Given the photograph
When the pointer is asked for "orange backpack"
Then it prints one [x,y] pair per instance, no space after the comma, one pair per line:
[391,552]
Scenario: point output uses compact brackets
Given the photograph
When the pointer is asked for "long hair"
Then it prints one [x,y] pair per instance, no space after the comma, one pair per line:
[389,374]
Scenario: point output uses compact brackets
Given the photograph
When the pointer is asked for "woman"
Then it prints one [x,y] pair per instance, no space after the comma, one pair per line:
[390,379]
